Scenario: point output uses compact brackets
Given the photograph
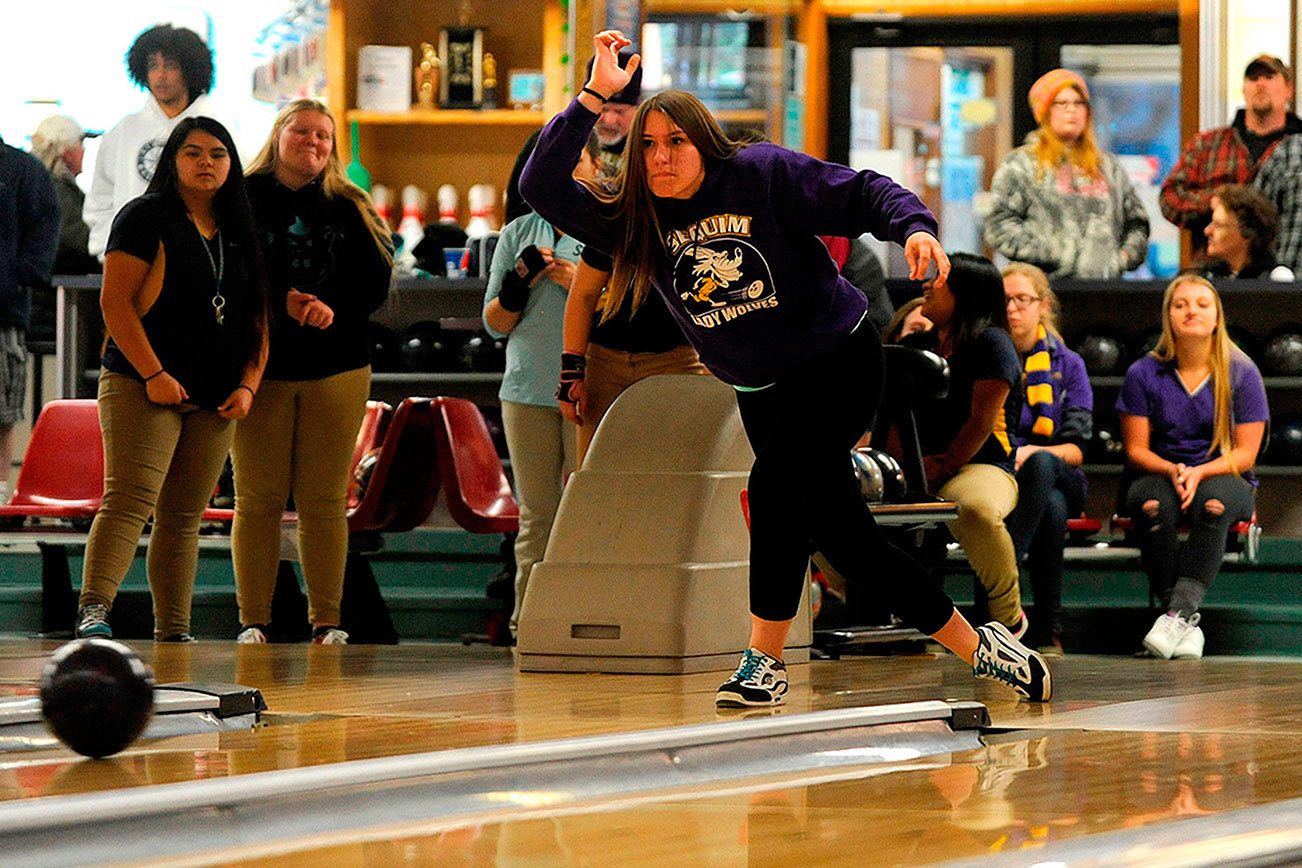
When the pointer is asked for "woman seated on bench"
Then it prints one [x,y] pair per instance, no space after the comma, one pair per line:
[1193,412]
[1056,420]
[967,452]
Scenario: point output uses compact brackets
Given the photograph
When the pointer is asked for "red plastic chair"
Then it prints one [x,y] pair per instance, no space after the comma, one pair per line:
[404,485]
[478,492]
[371,434]
[62,474]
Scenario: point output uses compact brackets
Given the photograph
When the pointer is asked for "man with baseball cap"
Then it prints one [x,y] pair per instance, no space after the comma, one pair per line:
[1233,154]
[1280,179]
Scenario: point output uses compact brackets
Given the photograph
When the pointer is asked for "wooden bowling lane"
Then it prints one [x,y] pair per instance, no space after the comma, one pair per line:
[330,704]
[1016,794]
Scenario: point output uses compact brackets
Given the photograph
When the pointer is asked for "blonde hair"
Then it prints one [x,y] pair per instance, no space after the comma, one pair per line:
[1223,350]
[1051,150]
[639,242]
[1040,283]
[333,180]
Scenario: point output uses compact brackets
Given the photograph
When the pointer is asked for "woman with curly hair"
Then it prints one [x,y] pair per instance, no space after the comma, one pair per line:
[175,66]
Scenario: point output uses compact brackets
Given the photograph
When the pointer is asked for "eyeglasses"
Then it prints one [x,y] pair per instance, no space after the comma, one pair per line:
[1021,302]
[1064,104]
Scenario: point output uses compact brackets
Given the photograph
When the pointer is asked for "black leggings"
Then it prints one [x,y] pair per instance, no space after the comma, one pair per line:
[1180,575]
[804,496]
[1049,491]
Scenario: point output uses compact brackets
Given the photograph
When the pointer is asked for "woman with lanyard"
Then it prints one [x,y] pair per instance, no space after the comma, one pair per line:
[758,296]
[184,305]
[330,261]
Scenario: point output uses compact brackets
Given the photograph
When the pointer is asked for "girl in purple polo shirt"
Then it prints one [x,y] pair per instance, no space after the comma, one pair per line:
[1193,412]
[1056,421]
[728,236]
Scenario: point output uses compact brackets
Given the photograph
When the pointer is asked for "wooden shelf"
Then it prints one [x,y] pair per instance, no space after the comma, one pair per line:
[449,117]
[741,116]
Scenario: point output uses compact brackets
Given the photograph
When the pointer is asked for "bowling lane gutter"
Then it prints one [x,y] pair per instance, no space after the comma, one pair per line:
[266,807]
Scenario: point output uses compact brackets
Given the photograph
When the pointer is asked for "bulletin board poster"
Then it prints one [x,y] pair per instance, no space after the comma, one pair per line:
[626,16]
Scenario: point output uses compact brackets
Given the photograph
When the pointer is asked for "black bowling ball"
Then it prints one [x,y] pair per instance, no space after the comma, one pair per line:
[97,696]
[385,352]
[1105,447]
[426,348]
[868,473]
[1103,353]
[1147,342]
[1285,446]
[1245,341]
[482,354]
[1282,355]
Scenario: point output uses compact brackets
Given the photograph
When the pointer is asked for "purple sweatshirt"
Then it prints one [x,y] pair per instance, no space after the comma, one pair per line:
[744,272]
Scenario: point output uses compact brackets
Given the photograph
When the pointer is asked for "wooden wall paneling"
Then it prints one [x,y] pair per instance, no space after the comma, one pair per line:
[812,32]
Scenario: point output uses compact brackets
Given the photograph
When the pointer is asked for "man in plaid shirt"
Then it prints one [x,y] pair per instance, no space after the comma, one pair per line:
[1233,154]
[1280,180]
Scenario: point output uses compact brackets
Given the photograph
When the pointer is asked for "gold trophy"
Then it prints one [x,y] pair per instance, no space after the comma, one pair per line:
[427,77]
[490,81]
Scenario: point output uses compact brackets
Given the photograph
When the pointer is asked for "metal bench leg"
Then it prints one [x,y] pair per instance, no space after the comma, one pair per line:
[58,599]
[364,614]
[288,607]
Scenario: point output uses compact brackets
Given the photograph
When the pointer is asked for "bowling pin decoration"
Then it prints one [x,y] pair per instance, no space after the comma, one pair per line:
[481,199]
[412,227]
[447,198]
[383,198]
[356,172]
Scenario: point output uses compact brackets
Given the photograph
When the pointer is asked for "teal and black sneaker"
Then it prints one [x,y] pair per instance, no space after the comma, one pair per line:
[760,680]
[92,620]
[1000,657]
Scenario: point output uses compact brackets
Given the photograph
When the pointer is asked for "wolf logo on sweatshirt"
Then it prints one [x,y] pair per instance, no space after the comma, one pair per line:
[718,273]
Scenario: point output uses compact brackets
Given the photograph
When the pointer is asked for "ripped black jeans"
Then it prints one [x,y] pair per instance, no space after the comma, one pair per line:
[1180,574]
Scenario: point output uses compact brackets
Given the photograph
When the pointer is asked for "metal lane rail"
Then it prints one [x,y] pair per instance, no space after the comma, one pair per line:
[345,798]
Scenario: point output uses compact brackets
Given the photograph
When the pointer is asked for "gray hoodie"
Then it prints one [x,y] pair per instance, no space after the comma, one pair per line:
[1068,224]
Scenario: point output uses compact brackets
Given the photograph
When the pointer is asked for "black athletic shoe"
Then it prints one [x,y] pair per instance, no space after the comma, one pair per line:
[1002,658]
[760,680]
[177,637]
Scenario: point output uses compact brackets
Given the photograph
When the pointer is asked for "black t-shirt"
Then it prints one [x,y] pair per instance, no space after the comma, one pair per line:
[651,330]
[320,245]
[990,355]
[206,357]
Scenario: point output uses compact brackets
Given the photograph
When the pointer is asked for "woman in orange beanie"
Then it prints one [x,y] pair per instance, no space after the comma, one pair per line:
[1058,201]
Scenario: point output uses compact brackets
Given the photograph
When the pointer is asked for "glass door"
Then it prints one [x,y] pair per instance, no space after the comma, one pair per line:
[938,105]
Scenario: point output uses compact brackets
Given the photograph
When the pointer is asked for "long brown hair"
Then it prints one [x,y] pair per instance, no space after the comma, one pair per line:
[333,180]
[1051,150]
[1223,349]
[637,249]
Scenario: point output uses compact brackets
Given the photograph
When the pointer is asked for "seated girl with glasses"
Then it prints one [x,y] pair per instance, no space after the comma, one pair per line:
[1055,423]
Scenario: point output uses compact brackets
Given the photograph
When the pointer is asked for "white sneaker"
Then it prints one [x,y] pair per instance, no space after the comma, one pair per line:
[1191,646]
[1000,657]
[1166,634]
[251,636]
[330,636]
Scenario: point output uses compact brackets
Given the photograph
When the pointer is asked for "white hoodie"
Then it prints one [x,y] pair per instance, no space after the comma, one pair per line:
[127,156]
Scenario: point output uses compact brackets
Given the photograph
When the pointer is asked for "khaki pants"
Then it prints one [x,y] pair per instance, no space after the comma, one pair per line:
[542,447]
[985,494]
[298,438]
[164,460]
[610,372]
